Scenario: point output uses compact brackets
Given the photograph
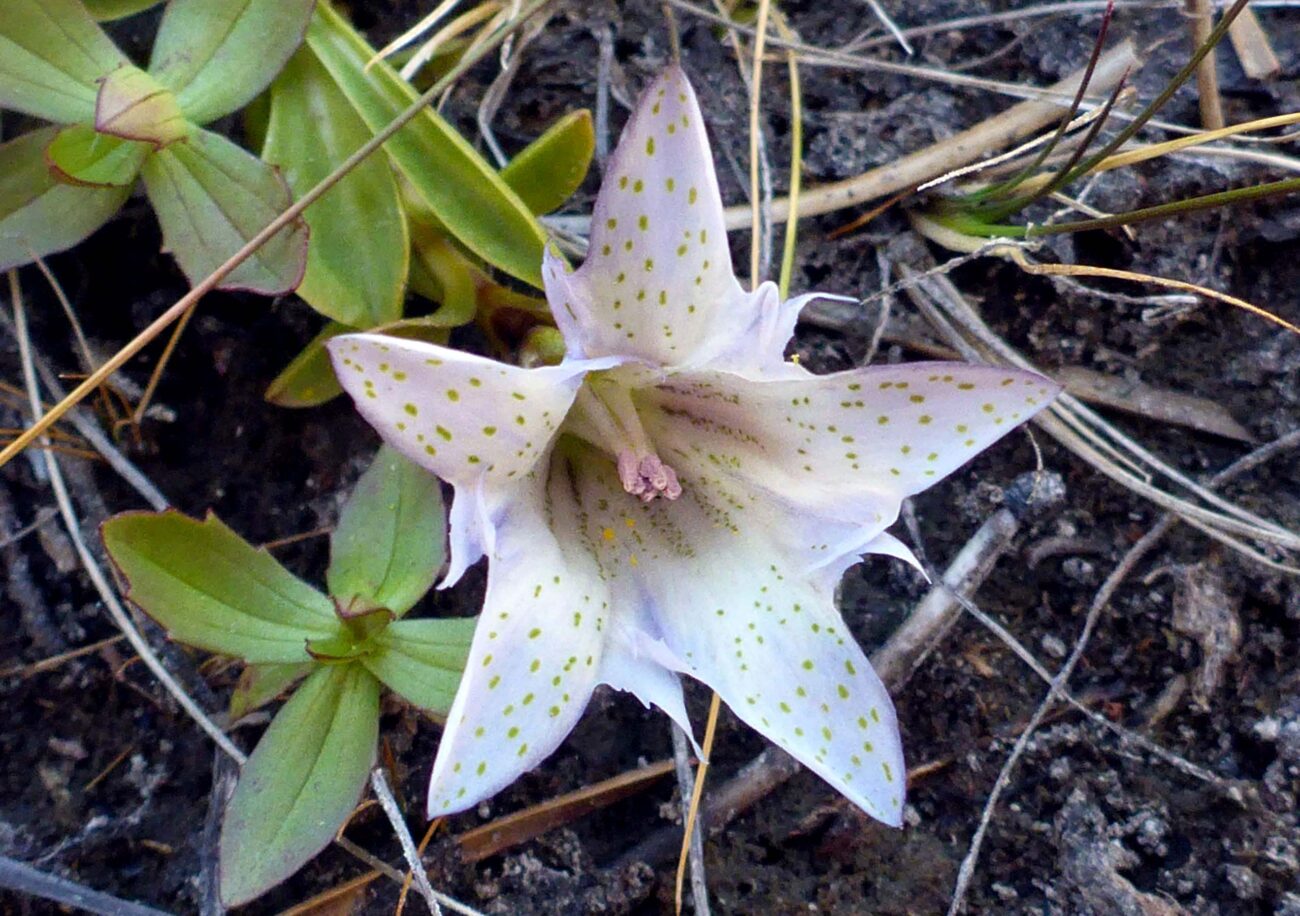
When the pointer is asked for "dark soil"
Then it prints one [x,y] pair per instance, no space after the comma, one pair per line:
[103,779]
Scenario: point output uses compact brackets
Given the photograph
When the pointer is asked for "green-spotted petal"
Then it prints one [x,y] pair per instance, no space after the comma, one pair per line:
[657,283]
[730,609]
[476,423]
[535,656]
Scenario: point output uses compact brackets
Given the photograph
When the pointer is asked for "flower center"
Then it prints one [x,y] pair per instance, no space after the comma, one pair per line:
[605,415]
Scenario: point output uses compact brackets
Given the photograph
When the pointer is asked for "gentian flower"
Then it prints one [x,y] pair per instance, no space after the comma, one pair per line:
[675,497]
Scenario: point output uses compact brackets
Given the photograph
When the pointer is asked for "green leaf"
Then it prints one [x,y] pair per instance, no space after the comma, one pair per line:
[51,54]
[547,172]
[108,10]
[217,55]
[81,155]
[211,197]
[211,589]
[301,783]
[260,684]
[452,179]
[423,659]
[357,259]
[390,541]
[133,105]
[40,215]
[309,380]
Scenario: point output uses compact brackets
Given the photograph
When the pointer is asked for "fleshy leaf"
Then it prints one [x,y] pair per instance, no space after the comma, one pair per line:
[211,197]
[217,56]
[80,155]
[359,250]
[547,172]
[308,381]
[211,589]
[40,215]
[465,193]
[657,283]
[260,684]
[51,55]
[135,106]
[390,540]
[108,10]
[423,660]
[301,782]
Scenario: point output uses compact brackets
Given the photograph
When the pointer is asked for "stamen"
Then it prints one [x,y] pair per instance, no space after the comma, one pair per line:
[647,477]
[605,415]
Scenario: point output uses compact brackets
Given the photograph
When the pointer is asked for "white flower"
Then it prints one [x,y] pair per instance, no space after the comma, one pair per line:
[674,497]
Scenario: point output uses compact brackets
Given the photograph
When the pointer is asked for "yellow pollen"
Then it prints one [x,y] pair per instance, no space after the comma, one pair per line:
[608,534]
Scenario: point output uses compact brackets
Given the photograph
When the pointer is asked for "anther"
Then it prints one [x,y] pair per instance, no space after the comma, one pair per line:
[647,477]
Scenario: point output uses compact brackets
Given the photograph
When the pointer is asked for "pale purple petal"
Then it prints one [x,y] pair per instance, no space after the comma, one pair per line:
[657,284]
[758,351]
[535,657]
[834,455]
[642,665]
[732,613]
[474,422]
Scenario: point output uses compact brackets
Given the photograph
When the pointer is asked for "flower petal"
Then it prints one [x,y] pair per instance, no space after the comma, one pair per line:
[657,283]
[768,640]
[474,422]
[835,455]
[535,656]
[641,664]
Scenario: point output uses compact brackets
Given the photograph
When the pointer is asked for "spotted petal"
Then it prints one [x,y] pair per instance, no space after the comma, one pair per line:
[476,423]
[720,600]
[835,455]
[535,657]
[657,283]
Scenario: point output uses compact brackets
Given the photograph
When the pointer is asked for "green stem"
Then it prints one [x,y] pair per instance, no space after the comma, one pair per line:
[969,225]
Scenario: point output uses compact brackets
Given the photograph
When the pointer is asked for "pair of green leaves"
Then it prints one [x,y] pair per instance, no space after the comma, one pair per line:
[425,215]
[120,123]
[212,590]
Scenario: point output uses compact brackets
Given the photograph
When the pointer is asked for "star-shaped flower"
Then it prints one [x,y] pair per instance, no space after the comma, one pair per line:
[674,498]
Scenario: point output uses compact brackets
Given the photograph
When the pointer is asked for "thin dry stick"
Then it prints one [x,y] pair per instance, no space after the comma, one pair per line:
[1099,603]
[1207,73]
[893,28]
[22,878]
[91,431]
[379,782]
[686,785]
[97,577]
[692,825]
[210,282]
[1254,50]
[1015,124]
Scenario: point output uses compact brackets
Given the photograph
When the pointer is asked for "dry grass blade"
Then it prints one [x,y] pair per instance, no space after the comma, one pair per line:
[1015,124]
[1084,432]
[55,661]
[336,901]
[210,282]
[106,591]
[522,826]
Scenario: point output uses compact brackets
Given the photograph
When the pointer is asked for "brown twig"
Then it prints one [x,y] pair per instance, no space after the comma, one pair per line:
[1201,13]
